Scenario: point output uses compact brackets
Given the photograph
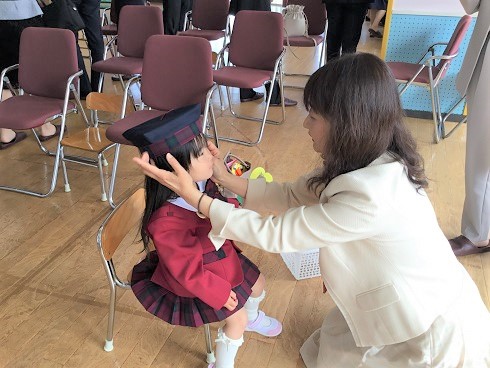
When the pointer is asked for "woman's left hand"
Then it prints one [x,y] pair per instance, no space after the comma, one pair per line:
[178,181]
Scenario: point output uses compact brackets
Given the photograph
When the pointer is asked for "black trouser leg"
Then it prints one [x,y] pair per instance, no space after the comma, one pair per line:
[171,16]
[334,30]
[352,26]
[89,11]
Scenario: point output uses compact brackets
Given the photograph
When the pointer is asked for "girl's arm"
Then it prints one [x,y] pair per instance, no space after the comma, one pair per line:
[180,253]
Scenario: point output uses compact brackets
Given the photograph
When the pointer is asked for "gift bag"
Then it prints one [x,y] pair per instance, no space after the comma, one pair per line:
[295,21]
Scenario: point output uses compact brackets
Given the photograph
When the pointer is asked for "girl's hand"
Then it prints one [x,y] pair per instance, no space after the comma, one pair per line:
[232,301]
[178,181]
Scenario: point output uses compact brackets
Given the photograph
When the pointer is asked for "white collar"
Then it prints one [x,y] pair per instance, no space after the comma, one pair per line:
[180,202]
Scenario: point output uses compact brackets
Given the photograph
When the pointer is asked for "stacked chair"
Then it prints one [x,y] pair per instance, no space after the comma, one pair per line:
[430,71]
[255,54]
[209,20]
[136,24]
[177,71]
[48,76]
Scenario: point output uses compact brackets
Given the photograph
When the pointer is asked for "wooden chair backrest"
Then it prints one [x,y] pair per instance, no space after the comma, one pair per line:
[107,102]
[121,221]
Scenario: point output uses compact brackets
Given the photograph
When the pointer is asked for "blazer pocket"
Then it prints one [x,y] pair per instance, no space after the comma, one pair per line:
[377,298]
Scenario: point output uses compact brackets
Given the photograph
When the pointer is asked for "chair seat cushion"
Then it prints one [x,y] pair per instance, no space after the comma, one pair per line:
[209,35]
[235,76]
[119,65]
[115,131]
[405,71]
[26,112]
[109,30]
[304,41]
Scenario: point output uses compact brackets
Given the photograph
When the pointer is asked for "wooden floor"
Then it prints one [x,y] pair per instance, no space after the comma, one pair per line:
[53,290]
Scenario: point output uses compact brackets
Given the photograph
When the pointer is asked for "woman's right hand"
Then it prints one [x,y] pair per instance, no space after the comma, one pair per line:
[219,168]
[232,301]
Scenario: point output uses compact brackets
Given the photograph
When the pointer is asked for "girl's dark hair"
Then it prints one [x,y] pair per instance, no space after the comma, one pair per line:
[358,96]
[156,193]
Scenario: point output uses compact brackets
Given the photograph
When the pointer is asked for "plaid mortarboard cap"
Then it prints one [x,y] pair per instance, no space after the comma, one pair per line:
[159,135]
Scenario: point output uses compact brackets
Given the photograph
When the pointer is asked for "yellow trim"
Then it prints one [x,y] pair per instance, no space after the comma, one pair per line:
[386,33]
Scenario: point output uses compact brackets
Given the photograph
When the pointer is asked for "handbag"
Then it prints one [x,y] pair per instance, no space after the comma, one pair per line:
[295,21]
[62,14]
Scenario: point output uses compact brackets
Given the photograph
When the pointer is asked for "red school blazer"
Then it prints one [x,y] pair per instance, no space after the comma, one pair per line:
[189,265]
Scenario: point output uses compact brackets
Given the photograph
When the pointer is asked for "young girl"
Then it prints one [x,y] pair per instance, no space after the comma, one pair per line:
[188,280]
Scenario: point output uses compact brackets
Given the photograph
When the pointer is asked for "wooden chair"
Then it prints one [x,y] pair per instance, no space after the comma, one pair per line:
[93,138]
[111,233]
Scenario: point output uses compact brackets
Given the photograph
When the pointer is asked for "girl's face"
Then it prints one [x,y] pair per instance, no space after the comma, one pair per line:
[318,129]
[202,167]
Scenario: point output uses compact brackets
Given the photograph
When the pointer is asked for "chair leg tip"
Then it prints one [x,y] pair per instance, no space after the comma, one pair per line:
[210,358]
[105,163]
[67,188]
[103,198]
[109,345]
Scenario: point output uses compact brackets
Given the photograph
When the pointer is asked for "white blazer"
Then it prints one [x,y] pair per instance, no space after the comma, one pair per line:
[383,258]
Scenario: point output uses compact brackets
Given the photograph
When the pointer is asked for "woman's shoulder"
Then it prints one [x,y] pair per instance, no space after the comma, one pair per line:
[171,211]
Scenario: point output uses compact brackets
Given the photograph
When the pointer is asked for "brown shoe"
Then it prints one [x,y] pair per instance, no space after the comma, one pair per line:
[462,246]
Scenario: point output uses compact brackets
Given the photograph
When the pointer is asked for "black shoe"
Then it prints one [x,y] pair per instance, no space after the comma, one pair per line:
[256,96]
[115,77]
[287,102]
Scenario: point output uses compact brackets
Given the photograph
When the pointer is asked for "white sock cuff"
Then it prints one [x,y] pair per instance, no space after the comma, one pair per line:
[258,299]
[228,341]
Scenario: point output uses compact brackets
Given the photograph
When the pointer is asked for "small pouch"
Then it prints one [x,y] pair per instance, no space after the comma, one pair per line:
[236,165]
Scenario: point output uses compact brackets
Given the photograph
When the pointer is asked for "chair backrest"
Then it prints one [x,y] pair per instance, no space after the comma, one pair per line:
[316,14]
[257,39]
[47,57]
[136,24]
[457,37]
[120,222]
[210,14]
[177,71]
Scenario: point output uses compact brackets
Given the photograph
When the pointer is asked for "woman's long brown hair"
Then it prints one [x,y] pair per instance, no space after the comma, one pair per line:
[358,96]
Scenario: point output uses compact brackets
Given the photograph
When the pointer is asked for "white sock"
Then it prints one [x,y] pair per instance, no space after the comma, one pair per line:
[226,350]
[252,306]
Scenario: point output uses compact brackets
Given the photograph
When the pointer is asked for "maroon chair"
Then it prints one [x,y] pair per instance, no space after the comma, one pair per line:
[255,53]
[209,20]
[428,72]
[136,24]
[48,73]
[177,71]
[317,28]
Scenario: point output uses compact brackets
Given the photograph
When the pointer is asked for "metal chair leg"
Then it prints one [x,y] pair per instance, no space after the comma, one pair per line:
[109,341]
[210,358]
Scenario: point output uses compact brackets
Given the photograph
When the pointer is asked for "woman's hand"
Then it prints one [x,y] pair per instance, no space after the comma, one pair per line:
[219,168]
[178,181]
[232,301]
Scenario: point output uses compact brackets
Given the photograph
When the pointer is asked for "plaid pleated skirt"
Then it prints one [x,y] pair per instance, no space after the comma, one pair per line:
[185,311]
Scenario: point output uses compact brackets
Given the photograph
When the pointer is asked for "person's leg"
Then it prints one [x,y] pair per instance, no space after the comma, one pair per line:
[85,87]
[334,30]
[89,11]
[258,321]
[171,16]
[6,135]
[353,15]
[377,18]
[8,138]
[186,6]
[276,95]
[230,338]
[475,224]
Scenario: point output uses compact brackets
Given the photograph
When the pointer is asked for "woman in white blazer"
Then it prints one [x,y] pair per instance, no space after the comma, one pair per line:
[402,298]
[474,81]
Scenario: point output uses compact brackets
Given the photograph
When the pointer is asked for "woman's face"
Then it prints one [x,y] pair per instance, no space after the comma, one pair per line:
[318,129]
[202,167]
